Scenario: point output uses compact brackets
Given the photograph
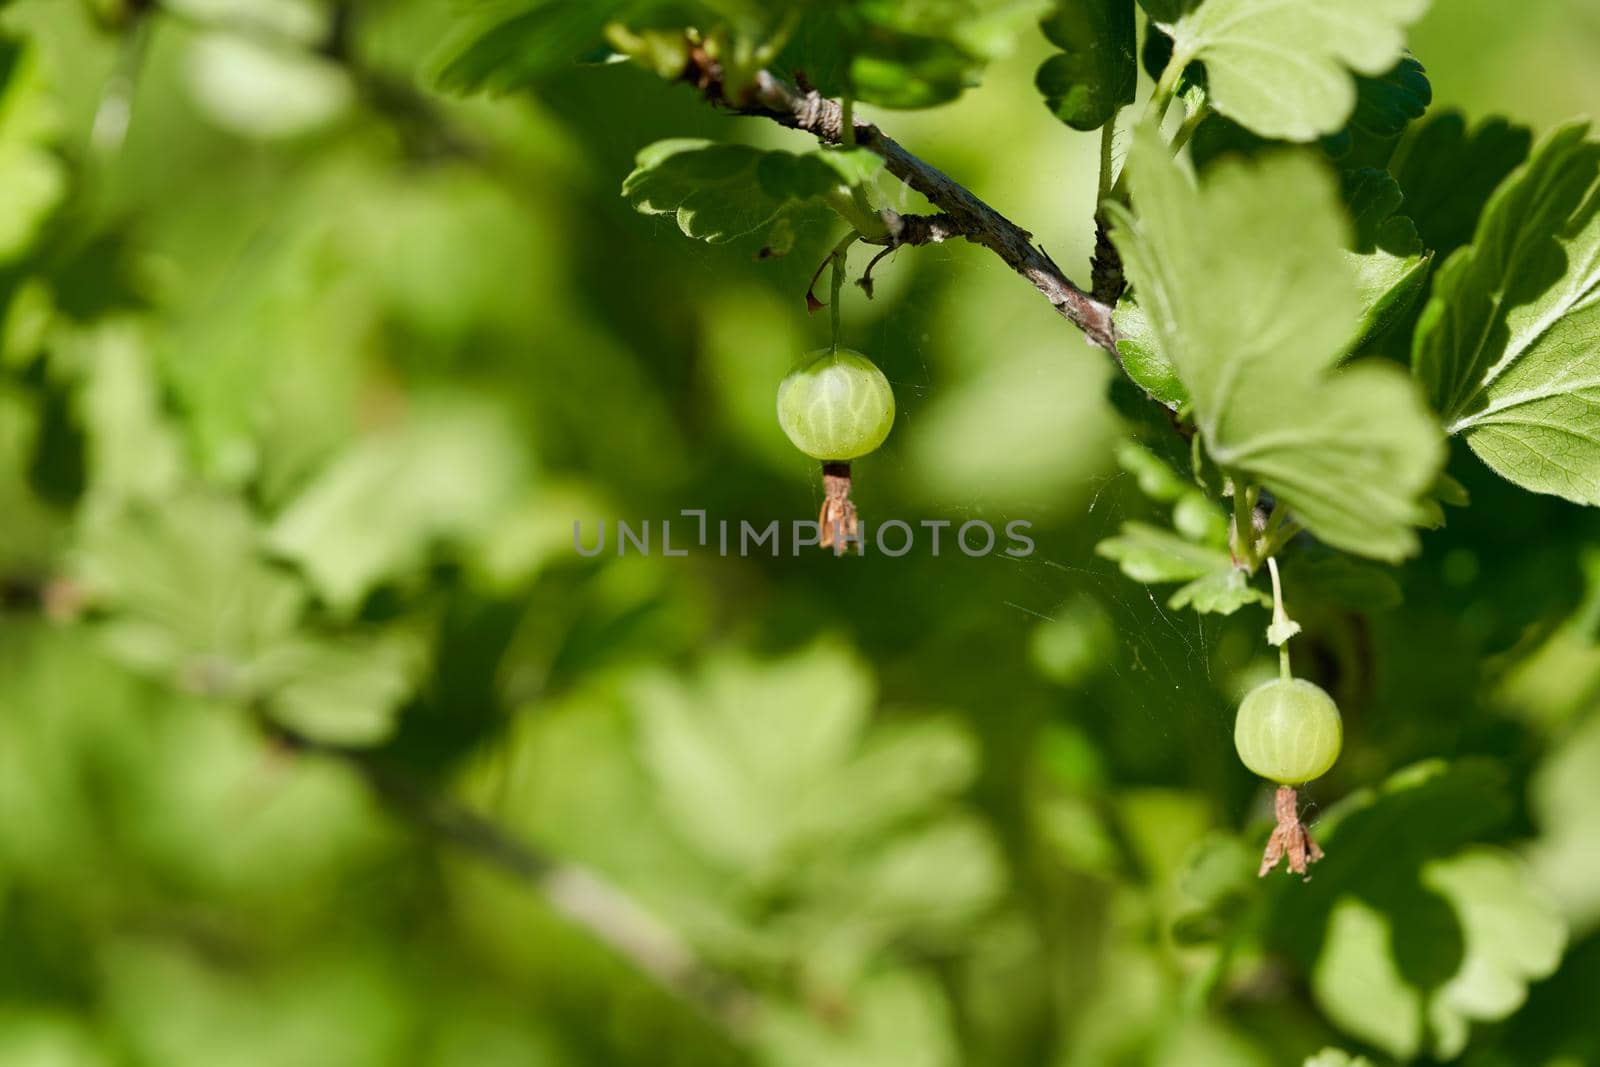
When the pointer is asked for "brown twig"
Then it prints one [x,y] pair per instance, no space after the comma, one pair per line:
[580,895]
[962,213]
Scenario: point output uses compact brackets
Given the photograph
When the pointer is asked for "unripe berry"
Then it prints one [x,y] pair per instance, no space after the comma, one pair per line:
[838,406]
[1288,731]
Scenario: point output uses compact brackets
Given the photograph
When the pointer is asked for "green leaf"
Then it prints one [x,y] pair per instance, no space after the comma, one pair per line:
[1248,291]
[1334,1057]
[509,53]
[721,192]
[1508,934]
[1509,346]
[446,473]
[1096,71]
[1387,104]
[1449,172]
[1155,556]
[1564,795]
[1281,67]
[190,600]
[1385,107]
[1152,555]
[1155,479]
[760,758]
[1220,593]
[1410,937]
[1142,357]
[1391,265]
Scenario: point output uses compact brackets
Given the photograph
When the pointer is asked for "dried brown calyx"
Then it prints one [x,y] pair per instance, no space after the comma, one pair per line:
[838,520]
[1290,838]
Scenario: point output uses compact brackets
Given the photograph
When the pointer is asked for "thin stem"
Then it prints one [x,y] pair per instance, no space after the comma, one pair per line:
[1108,133]
[1274,520]
[1244,528]
[1156,110]
[1190,124]
[776,99]
[847,121]
[1280,621]
[841,265]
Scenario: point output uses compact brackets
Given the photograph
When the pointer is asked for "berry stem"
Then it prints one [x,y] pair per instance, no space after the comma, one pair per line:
[839,259]
[1282,627]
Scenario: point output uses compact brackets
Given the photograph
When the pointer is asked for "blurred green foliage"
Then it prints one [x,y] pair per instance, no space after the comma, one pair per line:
[307,369]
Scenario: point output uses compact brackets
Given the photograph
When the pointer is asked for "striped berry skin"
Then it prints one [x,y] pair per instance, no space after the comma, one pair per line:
[838,406]
[1288,731]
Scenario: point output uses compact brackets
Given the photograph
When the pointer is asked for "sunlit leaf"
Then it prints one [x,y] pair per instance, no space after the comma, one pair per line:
[1283,67]
[1400,915]
[1246,285]
[441,476]
[1509,346]
[1391,265]
[720,192]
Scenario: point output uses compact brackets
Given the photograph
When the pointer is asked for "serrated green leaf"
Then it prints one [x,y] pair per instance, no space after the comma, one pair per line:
[721,192]
[759,758]
[1282,67]
[1219,593]
[445,474]
[1096,71]
[1486,903]
[1409,937]
[1509,346]
[1449,172]
[1390,102]
[1390,263]
[1155,556]
[190,599]
[1247,288]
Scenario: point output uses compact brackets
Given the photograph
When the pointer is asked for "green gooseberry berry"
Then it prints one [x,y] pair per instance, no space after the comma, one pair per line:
[1288,731]
[836,407]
